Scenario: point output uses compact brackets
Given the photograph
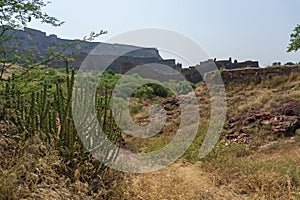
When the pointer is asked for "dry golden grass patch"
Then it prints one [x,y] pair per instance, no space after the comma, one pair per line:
[33,169]
[272,173]
[267,168]
[181,180]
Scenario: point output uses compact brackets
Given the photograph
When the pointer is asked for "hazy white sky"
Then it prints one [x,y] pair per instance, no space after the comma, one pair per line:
[244,30]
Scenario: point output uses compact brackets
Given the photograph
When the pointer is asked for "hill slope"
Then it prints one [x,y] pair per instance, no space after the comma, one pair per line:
[257,156]
[40,42]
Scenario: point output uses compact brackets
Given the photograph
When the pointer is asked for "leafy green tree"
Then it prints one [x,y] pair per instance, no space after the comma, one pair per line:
[276,64]
[289,63]
[14,15]
[18,13]
[295,40]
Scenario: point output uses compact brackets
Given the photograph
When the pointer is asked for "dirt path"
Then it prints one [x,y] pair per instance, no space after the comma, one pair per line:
[181,180]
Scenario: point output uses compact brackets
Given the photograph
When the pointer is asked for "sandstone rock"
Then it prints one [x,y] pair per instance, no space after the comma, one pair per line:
[285,122]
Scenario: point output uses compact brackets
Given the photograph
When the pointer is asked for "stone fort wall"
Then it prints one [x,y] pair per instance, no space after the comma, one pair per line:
[248,75]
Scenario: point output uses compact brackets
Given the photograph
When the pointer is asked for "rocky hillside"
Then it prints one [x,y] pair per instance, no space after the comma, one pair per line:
[40,42]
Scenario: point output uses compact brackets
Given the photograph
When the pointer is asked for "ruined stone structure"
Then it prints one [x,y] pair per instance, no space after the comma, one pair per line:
[192,73]
[119,64]
[39,44]
[255,74]
[125,63]
[232,71]
[228,64]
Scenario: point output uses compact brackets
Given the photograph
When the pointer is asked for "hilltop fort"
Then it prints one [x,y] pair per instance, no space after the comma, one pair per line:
[232,71]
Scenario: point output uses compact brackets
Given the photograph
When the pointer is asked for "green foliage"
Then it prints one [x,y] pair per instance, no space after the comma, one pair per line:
[26,82]
[136,108]
[159,90]
[180,87]
[222,72]
[108,80]
[16,14]
[144,92]
[276,64]
[289,63]
[149,88]
[45,108]
[295,40]
[110,71]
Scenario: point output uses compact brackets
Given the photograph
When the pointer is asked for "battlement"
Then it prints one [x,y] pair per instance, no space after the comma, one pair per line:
[192,73]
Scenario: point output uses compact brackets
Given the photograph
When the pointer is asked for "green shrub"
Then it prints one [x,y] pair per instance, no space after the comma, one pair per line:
[144,92]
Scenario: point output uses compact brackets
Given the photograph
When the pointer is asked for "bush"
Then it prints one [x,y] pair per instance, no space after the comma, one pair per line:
[144,92]
[289,63]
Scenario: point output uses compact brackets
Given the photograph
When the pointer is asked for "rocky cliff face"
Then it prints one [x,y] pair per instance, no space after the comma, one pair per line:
[39,42]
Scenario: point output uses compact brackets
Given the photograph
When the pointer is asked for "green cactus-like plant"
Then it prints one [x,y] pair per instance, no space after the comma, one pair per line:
[48,111]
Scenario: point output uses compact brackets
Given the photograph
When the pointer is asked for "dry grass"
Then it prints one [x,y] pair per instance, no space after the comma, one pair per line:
[33,169]
[259,170]
[272,173]
[179,181]
[31,172]
[268,94]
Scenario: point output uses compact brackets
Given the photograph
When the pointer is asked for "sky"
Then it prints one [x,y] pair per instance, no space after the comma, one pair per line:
[244,30]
